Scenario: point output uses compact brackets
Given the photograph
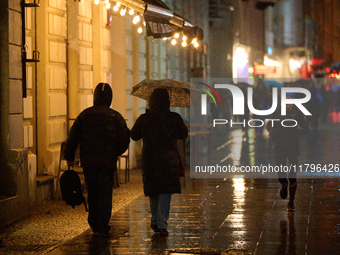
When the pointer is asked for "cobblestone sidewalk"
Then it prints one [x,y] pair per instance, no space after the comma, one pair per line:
[54,222]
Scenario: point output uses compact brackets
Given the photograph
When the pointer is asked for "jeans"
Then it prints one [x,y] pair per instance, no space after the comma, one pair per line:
[100,186]
[160,210]
[281,156]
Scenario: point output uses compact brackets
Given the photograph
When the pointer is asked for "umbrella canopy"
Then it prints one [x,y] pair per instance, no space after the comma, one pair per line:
[269,83]
[335,88]
[181,92]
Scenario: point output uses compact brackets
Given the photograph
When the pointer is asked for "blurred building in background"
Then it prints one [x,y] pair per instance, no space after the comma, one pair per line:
[302,38]
[273,39]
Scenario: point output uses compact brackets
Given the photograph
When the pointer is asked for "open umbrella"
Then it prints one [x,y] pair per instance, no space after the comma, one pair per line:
[182,93]
[273,83]
[335,88]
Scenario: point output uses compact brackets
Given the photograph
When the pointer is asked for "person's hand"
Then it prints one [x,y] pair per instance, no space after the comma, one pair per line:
[70,163]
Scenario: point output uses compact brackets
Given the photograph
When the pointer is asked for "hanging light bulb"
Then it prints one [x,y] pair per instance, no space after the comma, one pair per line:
[184,44]
[165,38]
[136,19]
[96,2]
[131,12]
[106,1]
[173,42]
[195,43]
[140,30]
[115,8]
[108,6]
[122,11]
[176,35]
[184,38]
[118,4]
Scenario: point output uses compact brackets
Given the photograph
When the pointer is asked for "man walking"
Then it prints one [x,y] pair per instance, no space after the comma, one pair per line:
[286,147]
[103,136]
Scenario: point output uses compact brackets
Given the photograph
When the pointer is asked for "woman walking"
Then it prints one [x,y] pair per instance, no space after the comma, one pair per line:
[159,128]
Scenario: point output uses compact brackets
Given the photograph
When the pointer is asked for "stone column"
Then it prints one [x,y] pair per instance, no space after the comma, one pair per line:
[51,83]
[14,202]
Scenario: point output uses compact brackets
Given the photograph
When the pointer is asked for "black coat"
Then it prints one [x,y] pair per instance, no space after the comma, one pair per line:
[101,132]
[287,136]
[160,161]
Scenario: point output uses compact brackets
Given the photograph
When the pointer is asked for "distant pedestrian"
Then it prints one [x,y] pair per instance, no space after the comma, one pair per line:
[314,106]
[160,160]
[103,136]
[261,101]
[337,105]
[244,87]
[286,147]
[325,102]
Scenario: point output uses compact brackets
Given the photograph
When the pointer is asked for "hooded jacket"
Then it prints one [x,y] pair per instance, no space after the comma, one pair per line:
[160,161]
[101,132]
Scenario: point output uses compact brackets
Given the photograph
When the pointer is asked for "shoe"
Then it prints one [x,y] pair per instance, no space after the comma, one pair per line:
[154,228]
[95,230]
[163,232]
[291,206]
[284,191]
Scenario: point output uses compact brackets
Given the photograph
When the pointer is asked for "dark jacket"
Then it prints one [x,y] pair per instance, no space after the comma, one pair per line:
[101,132]
[287,136]
[160,161]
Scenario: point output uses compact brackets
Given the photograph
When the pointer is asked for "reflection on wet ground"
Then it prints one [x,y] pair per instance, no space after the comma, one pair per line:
[319,151]
[227,214]
[215,215]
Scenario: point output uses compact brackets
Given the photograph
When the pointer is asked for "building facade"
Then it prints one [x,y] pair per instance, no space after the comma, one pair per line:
[305,42]
[70,47]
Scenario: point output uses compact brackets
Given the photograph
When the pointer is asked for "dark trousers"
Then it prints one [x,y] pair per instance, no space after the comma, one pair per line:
[100,185]
[160,210]
[282,154]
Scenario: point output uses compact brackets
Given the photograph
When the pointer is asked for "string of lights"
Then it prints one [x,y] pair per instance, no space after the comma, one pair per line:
[170,26]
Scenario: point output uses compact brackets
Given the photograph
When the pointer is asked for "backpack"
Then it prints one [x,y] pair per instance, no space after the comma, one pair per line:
[70,187]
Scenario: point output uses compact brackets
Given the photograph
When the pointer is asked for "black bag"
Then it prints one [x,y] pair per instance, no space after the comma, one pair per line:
[70,187]
[181,168]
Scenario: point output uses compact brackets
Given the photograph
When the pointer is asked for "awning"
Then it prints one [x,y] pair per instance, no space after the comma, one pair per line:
[160,21]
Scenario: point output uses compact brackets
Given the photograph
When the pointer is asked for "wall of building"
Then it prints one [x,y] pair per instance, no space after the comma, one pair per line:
[311,31]
[51,84]
[77,51]
[326,15]
[13,168]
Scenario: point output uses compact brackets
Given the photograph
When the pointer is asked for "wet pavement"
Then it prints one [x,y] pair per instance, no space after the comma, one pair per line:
[233,215]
